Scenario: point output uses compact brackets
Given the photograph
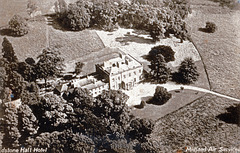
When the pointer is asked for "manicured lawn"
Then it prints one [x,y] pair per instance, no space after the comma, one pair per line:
[178,100]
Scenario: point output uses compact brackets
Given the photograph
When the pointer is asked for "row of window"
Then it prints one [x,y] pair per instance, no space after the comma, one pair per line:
[124,76]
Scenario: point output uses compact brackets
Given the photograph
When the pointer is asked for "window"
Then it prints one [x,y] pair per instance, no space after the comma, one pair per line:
[129,74]
[140,71]
[113,79]
[135,79]
[124,76]
[134,72]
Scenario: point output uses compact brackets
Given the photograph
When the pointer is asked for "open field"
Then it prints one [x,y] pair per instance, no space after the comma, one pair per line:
[198,125]
[73,45]
[220,51]
[31,44]
[10,8]
[210,120]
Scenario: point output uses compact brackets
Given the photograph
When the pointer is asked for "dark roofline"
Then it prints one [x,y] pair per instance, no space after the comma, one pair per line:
[135,59]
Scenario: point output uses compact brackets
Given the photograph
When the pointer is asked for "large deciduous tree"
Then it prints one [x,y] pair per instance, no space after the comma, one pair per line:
[49,64]
[77,17]
[30,94]
[53,112]
[27,121]
[157,30]
[104,15]
[140,129]
[27,71]
[165,51]
[18,25]
[112,105]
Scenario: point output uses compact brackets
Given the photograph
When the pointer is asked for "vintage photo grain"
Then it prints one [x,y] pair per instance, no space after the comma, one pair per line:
[119,76]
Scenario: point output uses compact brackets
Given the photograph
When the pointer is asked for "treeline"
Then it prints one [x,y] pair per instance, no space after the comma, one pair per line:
[159,21]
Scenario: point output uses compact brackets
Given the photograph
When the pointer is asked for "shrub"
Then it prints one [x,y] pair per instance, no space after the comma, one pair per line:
[161,96]
[210,27]
[78,67]
[18,26]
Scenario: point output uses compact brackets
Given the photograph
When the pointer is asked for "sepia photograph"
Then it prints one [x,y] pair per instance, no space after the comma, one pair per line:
[119,76]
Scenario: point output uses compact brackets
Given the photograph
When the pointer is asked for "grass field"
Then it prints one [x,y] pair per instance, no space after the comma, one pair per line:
[73,45]
[197,125]
[9,8]
[220,51]
[32,43]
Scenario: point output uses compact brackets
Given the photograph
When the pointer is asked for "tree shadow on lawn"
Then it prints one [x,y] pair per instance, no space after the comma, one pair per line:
[204,30]
[232,116]
[8,32]
[133,38]
[144,101]
[52,21]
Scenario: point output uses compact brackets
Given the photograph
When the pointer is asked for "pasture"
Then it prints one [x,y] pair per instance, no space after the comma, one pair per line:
[220,51]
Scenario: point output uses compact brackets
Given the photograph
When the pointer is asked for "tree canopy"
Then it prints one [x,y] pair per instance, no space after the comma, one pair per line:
[165,51]
[49,64]
[161,96]
[8,51]
[159,71]
[77,17]
[18,25]
[159,20]
[187,72]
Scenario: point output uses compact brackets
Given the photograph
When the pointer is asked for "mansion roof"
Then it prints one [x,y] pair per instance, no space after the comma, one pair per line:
[120,64]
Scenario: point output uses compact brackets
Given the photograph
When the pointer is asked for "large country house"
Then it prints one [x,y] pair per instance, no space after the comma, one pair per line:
[122,72]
